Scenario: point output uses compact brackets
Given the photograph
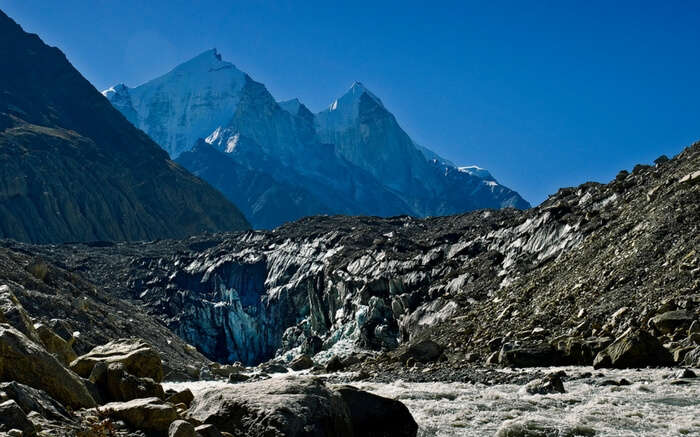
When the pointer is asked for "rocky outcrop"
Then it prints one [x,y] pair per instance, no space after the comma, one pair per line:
[279,407]
[72,168]
[634,348]
[23,361]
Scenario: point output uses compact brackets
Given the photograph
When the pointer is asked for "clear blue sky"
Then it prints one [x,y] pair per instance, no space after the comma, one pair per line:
[544,94]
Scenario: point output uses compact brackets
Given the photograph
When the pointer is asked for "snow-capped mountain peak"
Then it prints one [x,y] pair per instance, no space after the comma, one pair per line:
[344,110]
[185,104]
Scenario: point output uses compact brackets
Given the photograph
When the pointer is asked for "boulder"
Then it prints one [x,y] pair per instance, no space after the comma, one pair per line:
[181,428]
[548,385]
[182,397]
[669,321]
[116,384]
[56,345]
[273,367]
[424,351]
[24,361]
[529,355]
[301,362]
[633,349]
[148,414]
[138,358]
[284,406]
[581,351]
[31,399]
[377,416]
[12,417]
[335,364]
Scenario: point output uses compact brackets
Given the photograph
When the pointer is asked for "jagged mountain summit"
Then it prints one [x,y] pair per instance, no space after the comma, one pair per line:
[352,158]
[72,168]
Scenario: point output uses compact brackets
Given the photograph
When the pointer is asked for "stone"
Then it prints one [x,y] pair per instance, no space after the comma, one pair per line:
[148,414]
[55,344]
[119,385]
[685,373]
[284,406]
[181,428]
[12,417]
[207,430]
[424,351]
[237,377]
[273,367]
[302,362]
[580,351]
[550,384]
[670,321]
[633,349]
[335,364]
[138,357]
[182,397]
[529,355]
[33,366]
[373,415]
[31,399]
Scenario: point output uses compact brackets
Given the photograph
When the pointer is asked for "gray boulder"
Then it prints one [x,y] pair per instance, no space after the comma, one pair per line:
[181,428]
[116,384]
[149,414]
[423,351]
[301,362]
[285,406]
[550,384]
[669,321]
[633,349]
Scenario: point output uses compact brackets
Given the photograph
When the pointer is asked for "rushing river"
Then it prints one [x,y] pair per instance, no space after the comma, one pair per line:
[649,406]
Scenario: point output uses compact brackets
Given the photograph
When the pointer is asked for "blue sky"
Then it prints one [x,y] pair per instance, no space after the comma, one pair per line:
[543,94]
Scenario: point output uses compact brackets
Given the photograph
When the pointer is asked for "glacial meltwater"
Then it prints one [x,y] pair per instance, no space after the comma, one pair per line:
[656,402]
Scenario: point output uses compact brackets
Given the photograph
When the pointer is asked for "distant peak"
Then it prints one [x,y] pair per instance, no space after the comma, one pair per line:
[352,96]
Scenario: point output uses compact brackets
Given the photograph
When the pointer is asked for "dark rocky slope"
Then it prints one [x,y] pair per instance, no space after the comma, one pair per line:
[589,263]
[72,168]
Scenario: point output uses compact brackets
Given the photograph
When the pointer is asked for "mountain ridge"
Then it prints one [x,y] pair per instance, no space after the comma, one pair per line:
[74,169]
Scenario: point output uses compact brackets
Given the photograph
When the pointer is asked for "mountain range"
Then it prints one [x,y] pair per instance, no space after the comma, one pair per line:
[72,168]
[278,161]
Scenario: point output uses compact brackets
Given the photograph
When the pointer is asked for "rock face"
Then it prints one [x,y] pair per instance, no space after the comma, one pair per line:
[279,162]
[12,417]
[634,349]
[23,361]
[73,169]
[137,357]
[279,407]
